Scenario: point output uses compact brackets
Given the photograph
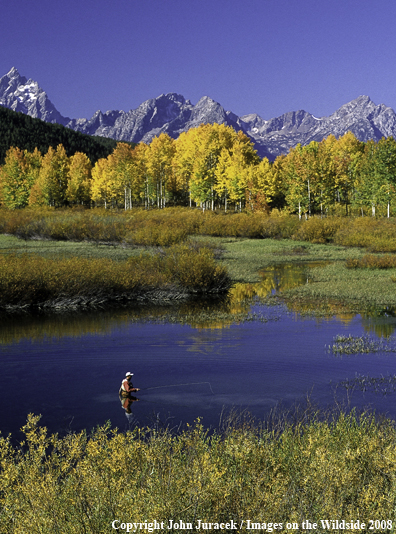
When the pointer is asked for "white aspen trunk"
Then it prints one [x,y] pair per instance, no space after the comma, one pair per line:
[125,199]
[388,209]
[373,210]
[299,211]
[225,203]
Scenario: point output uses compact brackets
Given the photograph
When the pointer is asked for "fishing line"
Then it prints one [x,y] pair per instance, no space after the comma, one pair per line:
[176,385]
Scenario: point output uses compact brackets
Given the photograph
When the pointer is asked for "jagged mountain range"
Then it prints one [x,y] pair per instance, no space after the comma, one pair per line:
[173,114]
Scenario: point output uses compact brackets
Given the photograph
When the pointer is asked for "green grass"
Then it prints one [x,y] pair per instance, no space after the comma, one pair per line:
[117,236]
[65,249]
[358,288]
[245,258]
[359,345]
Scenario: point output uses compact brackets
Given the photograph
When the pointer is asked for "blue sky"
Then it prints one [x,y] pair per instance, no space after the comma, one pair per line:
[252,56]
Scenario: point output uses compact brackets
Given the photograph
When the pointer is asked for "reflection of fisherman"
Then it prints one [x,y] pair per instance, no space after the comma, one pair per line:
[125,393]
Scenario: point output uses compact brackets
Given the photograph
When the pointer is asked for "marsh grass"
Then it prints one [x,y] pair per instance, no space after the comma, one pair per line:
[359,345]
[380,385]
[31,280]
[342,467]
[173,225]
[371,261]
[244,243]
[356,289]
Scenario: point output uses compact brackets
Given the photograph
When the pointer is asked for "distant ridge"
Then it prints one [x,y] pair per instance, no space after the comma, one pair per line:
[173,114]
[20,130]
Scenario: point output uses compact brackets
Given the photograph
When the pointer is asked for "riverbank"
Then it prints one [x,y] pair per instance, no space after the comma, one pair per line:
[31,281]
[243,245]
[122,274]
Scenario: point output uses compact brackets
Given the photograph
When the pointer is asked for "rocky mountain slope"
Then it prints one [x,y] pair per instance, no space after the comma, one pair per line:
[173,114]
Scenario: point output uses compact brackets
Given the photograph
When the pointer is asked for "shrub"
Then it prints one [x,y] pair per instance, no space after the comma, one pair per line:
[342,468]
[377,235]
[370,261]
[27,280]
[316,230]
[280,227]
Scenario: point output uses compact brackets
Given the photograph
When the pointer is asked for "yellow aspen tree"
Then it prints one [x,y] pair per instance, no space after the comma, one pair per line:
[138,173]
[15,187]
[121,163]
[346,154]
[326,174]
[183,162]
[223,185]
[79,183]
[243,158]
[53,176]
[209,140]
[100,182]
[263,185]
[295,186]
[160,170]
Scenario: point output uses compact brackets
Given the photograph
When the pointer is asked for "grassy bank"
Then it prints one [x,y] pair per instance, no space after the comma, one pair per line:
[30,280]
[250,243]
[343,468]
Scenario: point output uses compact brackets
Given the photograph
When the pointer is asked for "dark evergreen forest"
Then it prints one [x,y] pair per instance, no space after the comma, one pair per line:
[22,131]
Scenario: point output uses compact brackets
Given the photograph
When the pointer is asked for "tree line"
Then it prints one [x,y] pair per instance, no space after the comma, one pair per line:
[211,166]
[22,131]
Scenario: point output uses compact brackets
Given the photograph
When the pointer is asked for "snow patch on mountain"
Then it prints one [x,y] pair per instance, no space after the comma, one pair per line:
[171,113]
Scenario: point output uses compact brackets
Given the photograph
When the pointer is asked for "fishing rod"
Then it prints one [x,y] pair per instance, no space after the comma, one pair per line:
[178,385]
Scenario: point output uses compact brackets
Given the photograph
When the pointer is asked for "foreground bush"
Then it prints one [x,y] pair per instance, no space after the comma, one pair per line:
[343,469]
[27,280]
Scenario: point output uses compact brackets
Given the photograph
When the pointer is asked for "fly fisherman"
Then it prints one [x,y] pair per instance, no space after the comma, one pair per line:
[127,386]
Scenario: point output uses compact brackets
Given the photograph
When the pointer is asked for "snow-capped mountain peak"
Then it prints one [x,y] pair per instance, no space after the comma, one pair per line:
[173,114]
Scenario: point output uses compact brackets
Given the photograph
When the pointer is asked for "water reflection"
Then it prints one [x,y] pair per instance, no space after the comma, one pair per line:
[206,314]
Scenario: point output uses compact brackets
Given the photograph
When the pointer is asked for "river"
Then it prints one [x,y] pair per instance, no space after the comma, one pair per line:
[69,368]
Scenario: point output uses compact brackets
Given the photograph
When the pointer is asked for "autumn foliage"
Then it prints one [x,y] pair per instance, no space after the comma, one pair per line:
[212,167]
[342,467]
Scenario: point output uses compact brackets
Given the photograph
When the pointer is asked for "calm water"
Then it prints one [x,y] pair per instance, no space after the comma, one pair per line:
[69,369]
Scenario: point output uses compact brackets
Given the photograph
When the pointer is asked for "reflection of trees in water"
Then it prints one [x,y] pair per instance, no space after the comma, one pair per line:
[380,322]
[212,313]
